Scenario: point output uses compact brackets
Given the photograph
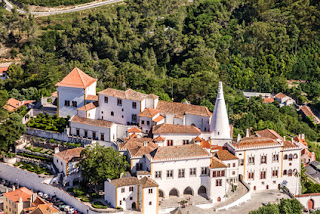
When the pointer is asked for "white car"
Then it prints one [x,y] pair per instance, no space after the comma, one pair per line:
[45,196]
[40,194]
[71,211]
[66,208]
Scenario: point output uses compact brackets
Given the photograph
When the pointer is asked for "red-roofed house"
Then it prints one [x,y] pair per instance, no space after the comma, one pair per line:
[14,104]
[73,91]
[307,112]
[3,73]
[284,99]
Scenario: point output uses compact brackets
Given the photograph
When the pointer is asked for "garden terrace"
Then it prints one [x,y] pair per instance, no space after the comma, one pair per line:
[46,122]
[33,168]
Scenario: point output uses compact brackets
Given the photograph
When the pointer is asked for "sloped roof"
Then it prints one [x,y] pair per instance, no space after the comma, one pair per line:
[93,97]
[45,209]
[166,128]
[12,104]
[216,163]
[159,138]
[180,109]
[268,100]
[146,182]
[177,152]
[303,141]
[3,70]
[69,154]
[149,112]
[127,181]
[288,144]
[134,143]
[134,130]
[205,144]
[308,112]
[225,155]
[22,192]
[269,133]
[91,122]
[76,79]
[253,141]
[158,119]
[129,94]
[89,106]
[280,95]
[197,139]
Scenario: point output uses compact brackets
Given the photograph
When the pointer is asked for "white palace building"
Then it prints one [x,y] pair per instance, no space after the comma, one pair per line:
[175,149]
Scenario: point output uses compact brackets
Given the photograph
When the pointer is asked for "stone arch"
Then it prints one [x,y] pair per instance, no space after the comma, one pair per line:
[161,194]
[202,191]
[174,192]
[134,205]
[188,191]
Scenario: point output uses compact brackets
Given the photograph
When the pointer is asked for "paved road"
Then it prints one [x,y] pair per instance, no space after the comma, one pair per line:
[9,6]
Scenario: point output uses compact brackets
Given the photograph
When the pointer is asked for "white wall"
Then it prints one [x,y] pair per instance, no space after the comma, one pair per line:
[177,138]
[90,129]
[148,208]
[71,94]
[91,90]
[126,203]
[110,195]
[60,164]
[199,121]
[304,199]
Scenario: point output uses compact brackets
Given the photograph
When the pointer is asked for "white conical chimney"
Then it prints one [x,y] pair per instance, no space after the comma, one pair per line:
[238,138]
[247,133]
[219,127]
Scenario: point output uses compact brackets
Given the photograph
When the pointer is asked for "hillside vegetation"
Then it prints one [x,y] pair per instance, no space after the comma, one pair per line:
[181,49]
[52,3]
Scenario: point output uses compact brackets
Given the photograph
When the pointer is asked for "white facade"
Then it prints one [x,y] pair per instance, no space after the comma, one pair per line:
[66,96]
[176,139]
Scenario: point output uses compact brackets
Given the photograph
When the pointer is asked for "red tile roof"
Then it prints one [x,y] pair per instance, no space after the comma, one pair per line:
[23,192]
[91,122]
[269,133]
[149,112]
[308,112]
[303,141]
[93,97]
[205,144]
[287,144]
[3,70]
[146,182]
[180,109]
[159,138]
[158,119]
[199,139]
[225,155]
[268,100]
[179,152]
[13,104]
[134,130]
[76,79]
[89,106]
[253,141]
[69,154]
[54,94]
[129,94]
[137,143]
[166,128]
[216,163]
[129,181]
[280,95]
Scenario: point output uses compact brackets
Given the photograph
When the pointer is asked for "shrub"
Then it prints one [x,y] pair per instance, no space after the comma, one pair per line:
[78,191]
[85,199]
[99,205]
[10,155]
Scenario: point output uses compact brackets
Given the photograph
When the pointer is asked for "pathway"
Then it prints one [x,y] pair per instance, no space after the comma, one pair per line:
[233,196]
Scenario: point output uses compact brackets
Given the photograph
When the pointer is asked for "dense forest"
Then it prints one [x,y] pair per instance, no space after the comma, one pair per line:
[177,49]
[51,3]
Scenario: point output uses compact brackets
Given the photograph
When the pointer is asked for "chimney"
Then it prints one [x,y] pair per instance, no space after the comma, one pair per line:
[56,150]
[302,136]
[247,133]
[109,180]
[299,136]
[7,190]
[284,138]
[121,175]
[145,143]
[33,197]
[238,138]
[13,188]
[20,200]
[291,140]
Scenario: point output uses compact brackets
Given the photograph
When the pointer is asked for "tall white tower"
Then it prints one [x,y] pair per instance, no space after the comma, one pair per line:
[219,128]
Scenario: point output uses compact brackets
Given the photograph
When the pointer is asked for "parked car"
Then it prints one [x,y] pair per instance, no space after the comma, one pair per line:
[71,210]
[40,194]
[45,196]
[66,208]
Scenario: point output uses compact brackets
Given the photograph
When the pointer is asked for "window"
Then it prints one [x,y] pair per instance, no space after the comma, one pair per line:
[222,173]
[150,203]
[228,164]
[234,165]
[285,157]
[78,132]
[123,190]
[130,189]
[158,174]
[169,142]
[251,160]
[131,198]
[290,172]
[74,104]
[94,135]
[150,191]
[233,172]
[169,173]
[85,133]
[274,173]
[148,122]
[295,156]
[66,103]
[263,175]
[112,113]
[119,102]
[134,117]
[290,157]
[214,174]
[204,171]
[120,203]
[285,172]
[185,142]
[142,122]
[219,182]
[193,171]
[139,166]
[251,175]
[102,137]
[241,162]
[181,173]
[106,99]
[134,105]
[275,157]
[264,159]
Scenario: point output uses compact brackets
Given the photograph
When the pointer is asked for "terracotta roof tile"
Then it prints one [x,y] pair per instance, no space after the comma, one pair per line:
[54,94]
[127,181]
[147,182]
[159,138]
[308,112]
[134,130]
[205,144]
[69,154]
[280,95]
[23,192]
[137,143]
[303,141]
[76,79]
[216,163]
[269,133]
[225,155]
[166,128]
[197,139]
[129,94]
[91,122]
[3,70]
[179,152]
[89,106]
[93,97]
[143,173]
[149,112]
[288,144]
[158,119]
[253,141]
[180,109]
[268,100]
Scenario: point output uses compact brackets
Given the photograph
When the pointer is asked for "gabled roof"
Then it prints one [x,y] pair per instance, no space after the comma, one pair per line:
[268,100]
[149,112]
[158,119]
[181,109]
[288,144]
[135,143]
[205,144]
[179,152]
[166,128]
[127,181]
[146,182]
[23,192]
[216,163]
[91,122]
[69,154]
[159,138]
[134,130]
[280,95]
[3,70]
[14,104]
[76,79]
[308,112]
[199,139]
[93,97]
[89,106]
[129,94]
[252,141]
[269,133]
[303,141]
[225,155]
